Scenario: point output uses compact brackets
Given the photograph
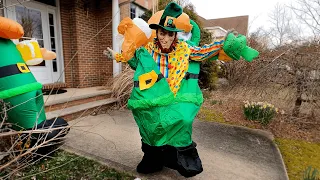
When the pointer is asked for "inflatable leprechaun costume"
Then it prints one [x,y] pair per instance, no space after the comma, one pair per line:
[166,96]
[19,88]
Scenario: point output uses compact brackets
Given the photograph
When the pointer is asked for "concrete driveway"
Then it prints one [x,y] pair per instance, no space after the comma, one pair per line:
[227,152]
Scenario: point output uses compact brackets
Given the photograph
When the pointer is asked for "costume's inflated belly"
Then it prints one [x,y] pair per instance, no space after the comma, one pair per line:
[163,118]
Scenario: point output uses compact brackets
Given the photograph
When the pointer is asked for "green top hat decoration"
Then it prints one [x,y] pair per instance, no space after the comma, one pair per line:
[167,21]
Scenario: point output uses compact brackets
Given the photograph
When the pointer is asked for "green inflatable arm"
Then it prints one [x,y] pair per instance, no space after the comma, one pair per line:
[195,39]
[236,47]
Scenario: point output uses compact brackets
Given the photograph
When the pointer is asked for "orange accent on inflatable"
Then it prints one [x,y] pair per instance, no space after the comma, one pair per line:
[10,29]
[134,37]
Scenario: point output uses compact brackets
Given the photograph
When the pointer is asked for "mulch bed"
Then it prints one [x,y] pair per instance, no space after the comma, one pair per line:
[282,126]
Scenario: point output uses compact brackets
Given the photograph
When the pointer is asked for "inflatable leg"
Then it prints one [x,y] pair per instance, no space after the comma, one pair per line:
[188,161]
[152,160]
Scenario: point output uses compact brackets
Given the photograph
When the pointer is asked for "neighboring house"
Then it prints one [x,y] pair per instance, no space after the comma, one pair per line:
[64,26]
[134,8]
[219,27]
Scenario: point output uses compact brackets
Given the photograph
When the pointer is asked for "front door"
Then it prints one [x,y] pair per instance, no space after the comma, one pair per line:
[38,21]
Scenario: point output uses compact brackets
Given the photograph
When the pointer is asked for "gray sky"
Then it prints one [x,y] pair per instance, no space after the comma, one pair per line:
[256,9]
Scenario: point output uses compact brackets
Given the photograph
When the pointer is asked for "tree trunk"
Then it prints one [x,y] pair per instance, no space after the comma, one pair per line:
[298,102]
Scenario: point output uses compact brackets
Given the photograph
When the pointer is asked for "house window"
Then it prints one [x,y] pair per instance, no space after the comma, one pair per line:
[132,11]
[53,40]
[48,2]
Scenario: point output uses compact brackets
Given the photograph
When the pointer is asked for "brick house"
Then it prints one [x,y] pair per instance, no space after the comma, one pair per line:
[66,26]
[219,27]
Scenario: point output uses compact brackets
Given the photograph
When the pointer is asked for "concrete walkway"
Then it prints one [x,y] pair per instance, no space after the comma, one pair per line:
[227,152]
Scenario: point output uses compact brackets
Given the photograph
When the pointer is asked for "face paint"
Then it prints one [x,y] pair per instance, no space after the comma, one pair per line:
[166,38]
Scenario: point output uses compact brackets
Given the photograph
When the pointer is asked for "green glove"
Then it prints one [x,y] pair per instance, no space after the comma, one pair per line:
[236,47]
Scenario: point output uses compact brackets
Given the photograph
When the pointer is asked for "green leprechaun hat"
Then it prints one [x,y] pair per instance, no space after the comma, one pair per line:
[167,21]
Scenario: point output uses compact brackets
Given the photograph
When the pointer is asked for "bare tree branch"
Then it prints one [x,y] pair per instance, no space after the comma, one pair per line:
[308,12]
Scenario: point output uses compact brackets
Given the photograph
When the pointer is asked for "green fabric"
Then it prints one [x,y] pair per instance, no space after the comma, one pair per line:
[189,90]
[159,94]
[167,125]
[133,63]
[162,100]
[196,98]
[16,81]
[196,33]
[172,10]
[10,55]
[162,118]
[27,110]
[20,90]
[236,46]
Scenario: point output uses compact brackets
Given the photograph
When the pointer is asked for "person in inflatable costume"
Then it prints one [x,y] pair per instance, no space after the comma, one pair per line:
[166,96]
[19,88]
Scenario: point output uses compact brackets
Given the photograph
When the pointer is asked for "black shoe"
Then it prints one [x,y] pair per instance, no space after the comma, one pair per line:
[184,159]
[170,157]
[152,160]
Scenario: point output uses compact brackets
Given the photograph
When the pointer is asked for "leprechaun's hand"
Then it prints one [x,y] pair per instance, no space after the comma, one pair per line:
[235,46]
[111,54]
[48,55]
[231,31]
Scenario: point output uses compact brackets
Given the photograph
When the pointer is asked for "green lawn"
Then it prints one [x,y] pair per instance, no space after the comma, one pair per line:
[69,166]
[298,155]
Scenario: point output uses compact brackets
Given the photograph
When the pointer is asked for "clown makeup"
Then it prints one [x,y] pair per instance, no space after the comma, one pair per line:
[166,38]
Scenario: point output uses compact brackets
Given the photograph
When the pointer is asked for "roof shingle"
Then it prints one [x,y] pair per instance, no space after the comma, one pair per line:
[239,23]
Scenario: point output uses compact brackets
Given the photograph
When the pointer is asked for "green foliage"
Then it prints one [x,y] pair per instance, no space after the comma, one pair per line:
[206,36]
[163,3]
[65,165]
[311,174]
[206,95]
[298,155]
[146,15]
[209,75]
[214,102]
[211,116]
[259,111]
